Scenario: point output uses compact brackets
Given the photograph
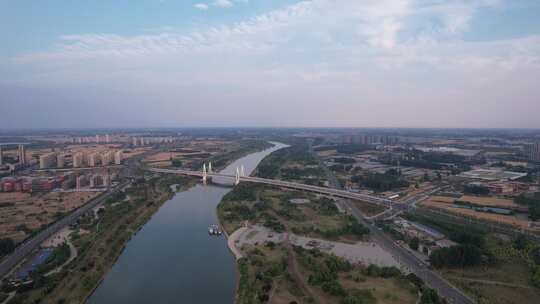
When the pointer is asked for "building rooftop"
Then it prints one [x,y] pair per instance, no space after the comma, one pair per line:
[492,174]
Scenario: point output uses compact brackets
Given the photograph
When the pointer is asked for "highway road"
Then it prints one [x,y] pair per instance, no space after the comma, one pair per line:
[415,265]
[33,243]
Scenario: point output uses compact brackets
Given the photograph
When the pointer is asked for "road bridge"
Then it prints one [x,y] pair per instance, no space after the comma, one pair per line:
[290,185]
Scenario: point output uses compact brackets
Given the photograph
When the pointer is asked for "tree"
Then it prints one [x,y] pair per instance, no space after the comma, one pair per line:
[456,256]
[414,243]
[6,246]
[176,162]
[430,296]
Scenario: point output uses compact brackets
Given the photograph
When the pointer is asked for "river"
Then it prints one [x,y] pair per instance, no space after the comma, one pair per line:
[173,259]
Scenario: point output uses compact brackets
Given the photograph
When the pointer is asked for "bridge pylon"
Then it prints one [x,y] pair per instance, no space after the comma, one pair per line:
[242,172]
[204,174]
[209,167]
[237,177]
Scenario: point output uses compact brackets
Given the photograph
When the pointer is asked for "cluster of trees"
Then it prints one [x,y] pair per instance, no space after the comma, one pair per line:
[433,161]
[532,202]
[414,243]
[7,246]
[476,189]
[270,166]
[242,192]
[456,256]
[430,296]
[352,148]
[274,224]
[382,272]
[354,227]
[380,182]
[176,162]
[324,271]
[326,206]
[532,253]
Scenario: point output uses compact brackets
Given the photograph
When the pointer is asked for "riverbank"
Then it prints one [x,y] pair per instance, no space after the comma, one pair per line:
[101,242]
[167,193]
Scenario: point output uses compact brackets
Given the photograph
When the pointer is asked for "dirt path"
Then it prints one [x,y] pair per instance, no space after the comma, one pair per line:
[295,273]
[488,282]
[72,255]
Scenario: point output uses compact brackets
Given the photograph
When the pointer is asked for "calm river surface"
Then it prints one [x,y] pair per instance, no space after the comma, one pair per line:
[173,259]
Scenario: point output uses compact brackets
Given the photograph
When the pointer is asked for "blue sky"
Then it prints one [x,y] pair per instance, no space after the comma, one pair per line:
[336,63]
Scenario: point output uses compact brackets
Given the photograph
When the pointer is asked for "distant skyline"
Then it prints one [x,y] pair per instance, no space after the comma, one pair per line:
[261,63]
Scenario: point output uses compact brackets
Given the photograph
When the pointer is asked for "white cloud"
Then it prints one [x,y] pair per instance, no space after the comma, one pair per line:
[400,51]
[223,3]
[201,6]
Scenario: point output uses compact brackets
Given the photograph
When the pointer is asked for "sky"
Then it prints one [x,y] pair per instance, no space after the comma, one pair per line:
[270,63]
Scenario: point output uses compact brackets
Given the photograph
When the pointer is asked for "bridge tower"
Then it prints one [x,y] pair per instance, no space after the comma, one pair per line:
[237,177]
[204,175]
[242,172]
[209,167]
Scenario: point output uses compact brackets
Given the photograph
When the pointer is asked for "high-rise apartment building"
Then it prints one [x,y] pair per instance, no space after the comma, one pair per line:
[1,156]
[93,160]
[47,160]
[533,152]
[118,157]
[22,155]
[78,160]
[60,160]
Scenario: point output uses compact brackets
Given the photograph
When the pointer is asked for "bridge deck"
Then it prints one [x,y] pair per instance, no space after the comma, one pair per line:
[291,185]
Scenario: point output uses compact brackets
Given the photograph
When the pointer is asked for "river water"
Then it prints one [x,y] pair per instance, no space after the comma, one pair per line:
[173,259]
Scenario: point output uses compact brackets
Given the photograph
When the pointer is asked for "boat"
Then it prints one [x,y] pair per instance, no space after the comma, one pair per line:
[214,230]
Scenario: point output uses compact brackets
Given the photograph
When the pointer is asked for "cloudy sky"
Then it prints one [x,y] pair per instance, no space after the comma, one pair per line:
[318,63]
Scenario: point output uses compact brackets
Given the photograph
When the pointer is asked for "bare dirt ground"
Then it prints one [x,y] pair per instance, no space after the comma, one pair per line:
[24,213]
[505,219]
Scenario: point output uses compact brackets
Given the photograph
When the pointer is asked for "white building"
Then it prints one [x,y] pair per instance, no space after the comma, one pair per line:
[118,157]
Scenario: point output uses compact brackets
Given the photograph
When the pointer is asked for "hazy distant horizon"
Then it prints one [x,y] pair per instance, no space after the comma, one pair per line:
[283,63]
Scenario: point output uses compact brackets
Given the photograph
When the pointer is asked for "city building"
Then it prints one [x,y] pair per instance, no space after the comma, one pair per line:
[107,158]
[118,157]
[60,160]
[1,156]
[93,160]
[107,138]
[22,155]
[47,160]
[533,152]
[78,160]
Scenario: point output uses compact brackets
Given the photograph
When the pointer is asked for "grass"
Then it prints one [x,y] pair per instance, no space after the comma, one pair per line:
[514,272]
[368,209]
[369,289]
[319,218]
[263,272]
